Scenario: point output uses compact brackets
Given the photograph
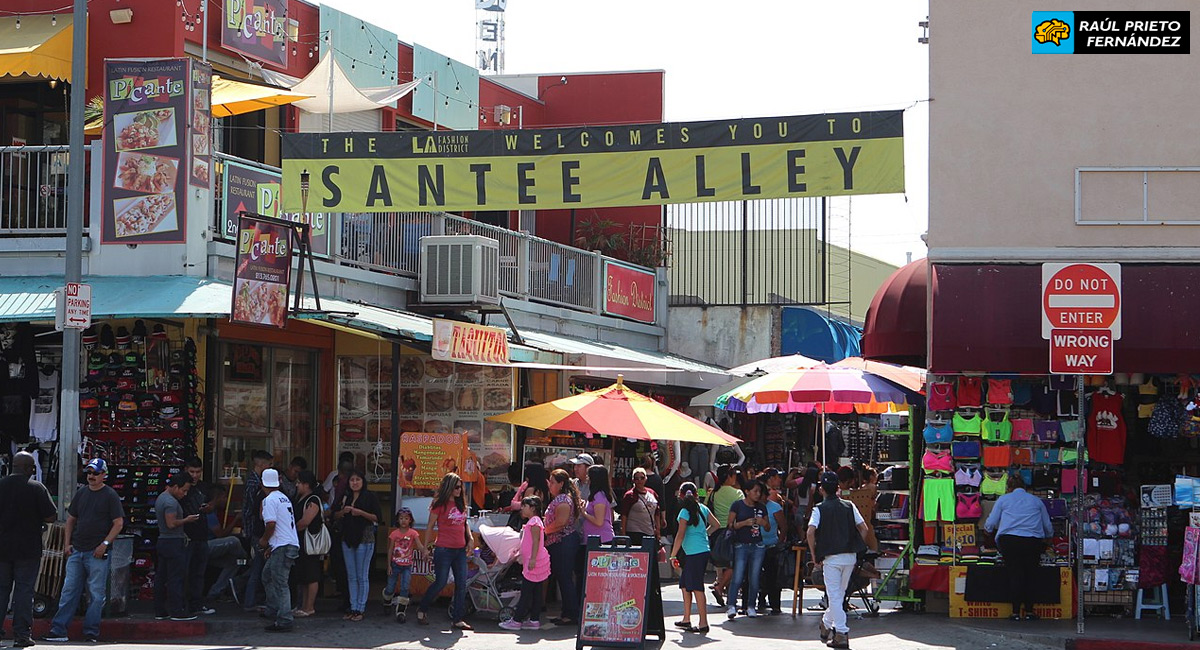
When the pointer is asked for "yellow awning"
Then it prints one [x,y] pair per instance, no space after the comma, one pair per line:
[40,49]
[231,97]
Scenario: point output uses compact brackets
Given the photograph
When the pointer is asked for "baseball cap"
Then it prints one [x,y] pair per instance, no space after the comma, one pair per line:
[583,459]
[96,465]
[270,478]
[829,482]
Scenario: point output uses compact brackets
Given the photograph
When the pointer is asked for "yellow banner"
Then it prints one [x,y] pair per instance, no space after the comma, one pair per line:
[591,167]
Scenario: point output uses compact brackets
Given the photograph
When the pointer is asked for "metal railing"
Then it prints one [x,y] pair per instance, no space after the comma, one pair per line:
[33,189]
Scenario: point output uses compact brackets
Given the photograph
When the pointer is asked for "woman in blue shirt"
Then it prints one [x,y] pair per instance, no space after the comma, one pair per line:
[1022,527]
[695,523]
[773,534]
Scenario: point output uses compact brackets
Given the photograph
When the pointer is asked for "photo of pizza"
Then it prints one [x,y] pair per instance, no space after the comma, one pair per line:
[143,172]
[142,215]
[263,303]
[145,129]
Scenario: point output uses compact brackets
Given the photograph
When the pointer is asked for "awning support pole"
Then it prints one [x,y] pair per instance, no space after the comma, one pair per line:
[516,334]
[395,427]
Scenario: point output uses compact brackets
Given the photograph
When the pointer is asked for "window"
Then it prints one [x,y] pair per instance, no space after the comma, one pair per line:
[267,400]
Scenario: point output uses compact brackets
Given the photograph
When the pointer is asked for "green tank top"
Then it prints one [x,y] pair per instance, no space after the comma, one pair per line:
[997,431]
[967,426]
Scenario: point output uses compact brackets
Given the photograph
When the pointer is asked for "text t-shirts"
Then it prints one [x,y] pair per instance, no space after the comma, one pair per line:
[451,526]
[277,507]
[404,544]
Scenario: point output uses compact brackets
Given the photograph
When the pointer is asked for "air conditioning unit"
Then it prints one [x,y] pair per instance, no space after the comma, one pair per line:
[460,269]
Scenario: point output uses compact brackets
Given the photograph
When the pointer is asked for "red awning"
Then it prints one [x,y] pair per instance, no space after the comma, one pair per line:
[895,325]
[988,318]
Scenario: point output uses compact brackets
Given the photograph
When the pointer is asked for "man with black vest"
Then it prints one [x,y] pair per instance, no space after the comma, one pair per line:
[837,533]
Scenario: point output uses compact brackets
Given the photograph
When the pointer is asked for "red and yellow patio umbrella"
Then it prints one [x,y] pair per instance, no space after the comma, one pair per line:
[617,411]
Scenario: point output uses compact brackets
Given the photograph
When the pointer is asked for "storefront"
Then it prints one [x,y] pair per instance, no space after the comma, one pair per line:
[993,409]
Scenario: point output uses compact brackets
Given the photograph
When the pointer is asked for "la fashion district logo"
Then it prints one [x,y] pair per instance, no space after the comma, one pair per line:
[1111,32]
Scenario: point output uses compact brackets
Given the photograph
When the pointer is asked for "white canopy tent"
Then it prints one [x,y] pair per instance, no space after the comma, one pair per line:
[333,92]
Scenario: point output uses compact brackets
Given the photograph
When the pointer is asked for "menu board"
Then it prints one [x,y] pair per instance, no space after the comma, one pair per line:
[614,598]
[262,269]
[365,414]
[201,135]
[426,457]
[435,397]
[146,113]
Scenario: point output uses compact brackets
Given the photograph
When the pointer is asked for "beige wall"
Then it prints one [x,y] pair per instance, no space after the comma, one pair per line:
[1008,129]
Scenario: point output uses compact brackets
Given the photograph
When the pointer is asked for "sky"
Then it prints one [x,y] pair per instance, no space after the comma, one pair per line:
[756,58]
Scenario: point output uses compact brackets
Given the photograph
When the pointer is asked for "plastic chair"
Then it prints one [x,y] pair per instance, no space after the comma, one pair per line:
[1160,603]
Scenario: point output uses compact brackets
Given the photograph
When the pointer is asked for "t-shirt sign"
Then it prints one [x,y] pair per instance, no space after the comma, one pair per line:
[614,600]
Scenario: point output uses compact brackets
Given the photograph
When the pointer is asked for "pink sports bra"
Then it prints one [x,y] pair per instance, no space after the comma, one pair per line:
[935,462]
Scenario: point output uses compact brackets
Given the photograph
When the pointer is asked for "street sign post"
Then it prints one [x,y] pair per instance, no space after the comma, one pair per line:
[1081,296]
[1081,352]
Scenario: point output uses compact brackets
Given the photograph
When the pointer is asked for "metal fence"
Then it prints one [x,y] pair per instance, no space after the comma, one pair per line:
[748,252]
[33,189]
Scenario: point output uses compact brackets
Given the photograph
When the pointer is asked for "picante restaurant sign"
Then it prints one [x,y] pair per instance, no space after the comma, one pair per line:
[256,28]
[469,343]
[1111,32]
[628,292]
[601,166]
[146,153]
[262,270]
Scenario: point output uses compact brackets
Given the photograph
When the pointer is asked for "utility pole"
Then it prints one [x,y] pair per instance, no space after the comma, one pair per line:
[68,405]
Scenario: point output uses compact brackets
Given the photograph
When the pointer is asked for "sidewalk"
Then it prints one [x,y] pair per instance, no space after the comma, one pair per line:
[890,630]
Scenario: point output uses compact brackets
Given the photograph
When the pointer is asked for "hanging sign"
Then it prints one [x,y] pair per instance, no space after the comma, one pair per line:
[468,342]
[146,153]
[598,166]
[261,273]
[256,28]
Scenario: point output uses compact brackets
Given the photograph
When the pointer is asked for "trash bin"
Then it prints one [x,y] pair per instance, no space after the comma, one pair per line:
[119,574]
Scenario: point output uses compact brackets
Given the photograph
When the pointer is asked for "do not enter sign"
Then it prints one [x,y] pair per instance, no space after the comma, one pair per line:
[1081,296]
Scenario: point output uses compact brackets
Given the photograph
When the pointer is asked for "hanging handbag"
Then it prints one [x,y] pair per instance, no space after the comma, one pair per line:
[317,543]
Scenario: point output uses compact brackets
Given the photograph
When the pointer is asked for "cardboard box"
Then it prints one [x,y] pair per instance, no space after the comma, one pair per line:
[962,608]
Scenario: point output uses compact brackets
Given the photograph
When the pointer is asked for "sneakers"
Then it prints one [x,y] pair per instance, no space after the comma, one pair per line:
[22,643]
[56,638]
[206,611]
[185,617]
[91,639]
[732,613]
[752,613]
[510,624]
[531,625]
[161,617]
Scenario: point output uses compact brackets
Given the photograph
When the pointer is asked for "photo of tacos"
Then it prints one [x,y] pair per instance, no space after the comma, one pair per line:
[145,129]
[142,172]
[142,215]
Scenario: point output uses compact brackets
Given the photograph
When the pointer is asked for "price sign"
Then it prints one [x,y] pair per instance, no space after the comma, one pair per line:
[959,535]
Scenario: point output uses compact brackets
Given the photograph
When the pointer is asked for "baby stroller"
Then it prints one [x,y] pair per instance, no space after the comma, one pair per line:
[495,588]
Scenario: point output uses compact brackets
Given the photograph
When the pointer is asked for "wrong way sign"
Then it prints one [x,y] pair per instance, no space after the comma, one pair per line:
[1081,295]
[1081,352]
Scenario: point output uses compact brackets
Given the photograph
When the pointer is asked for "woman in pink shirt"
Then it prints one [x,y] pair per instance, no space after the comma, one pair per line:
[448,523]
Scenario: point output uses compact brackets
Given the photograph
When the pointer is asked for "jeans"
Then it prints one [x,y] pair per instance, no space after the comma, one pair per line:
[358,570]
[250,599]
[747,564]
[446,561]
[18,577]
[275,583]
[224,552]
[562,572]
[533,597]
[837,570]
[169,577]
[399,575]
[196,569]
[83,569]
